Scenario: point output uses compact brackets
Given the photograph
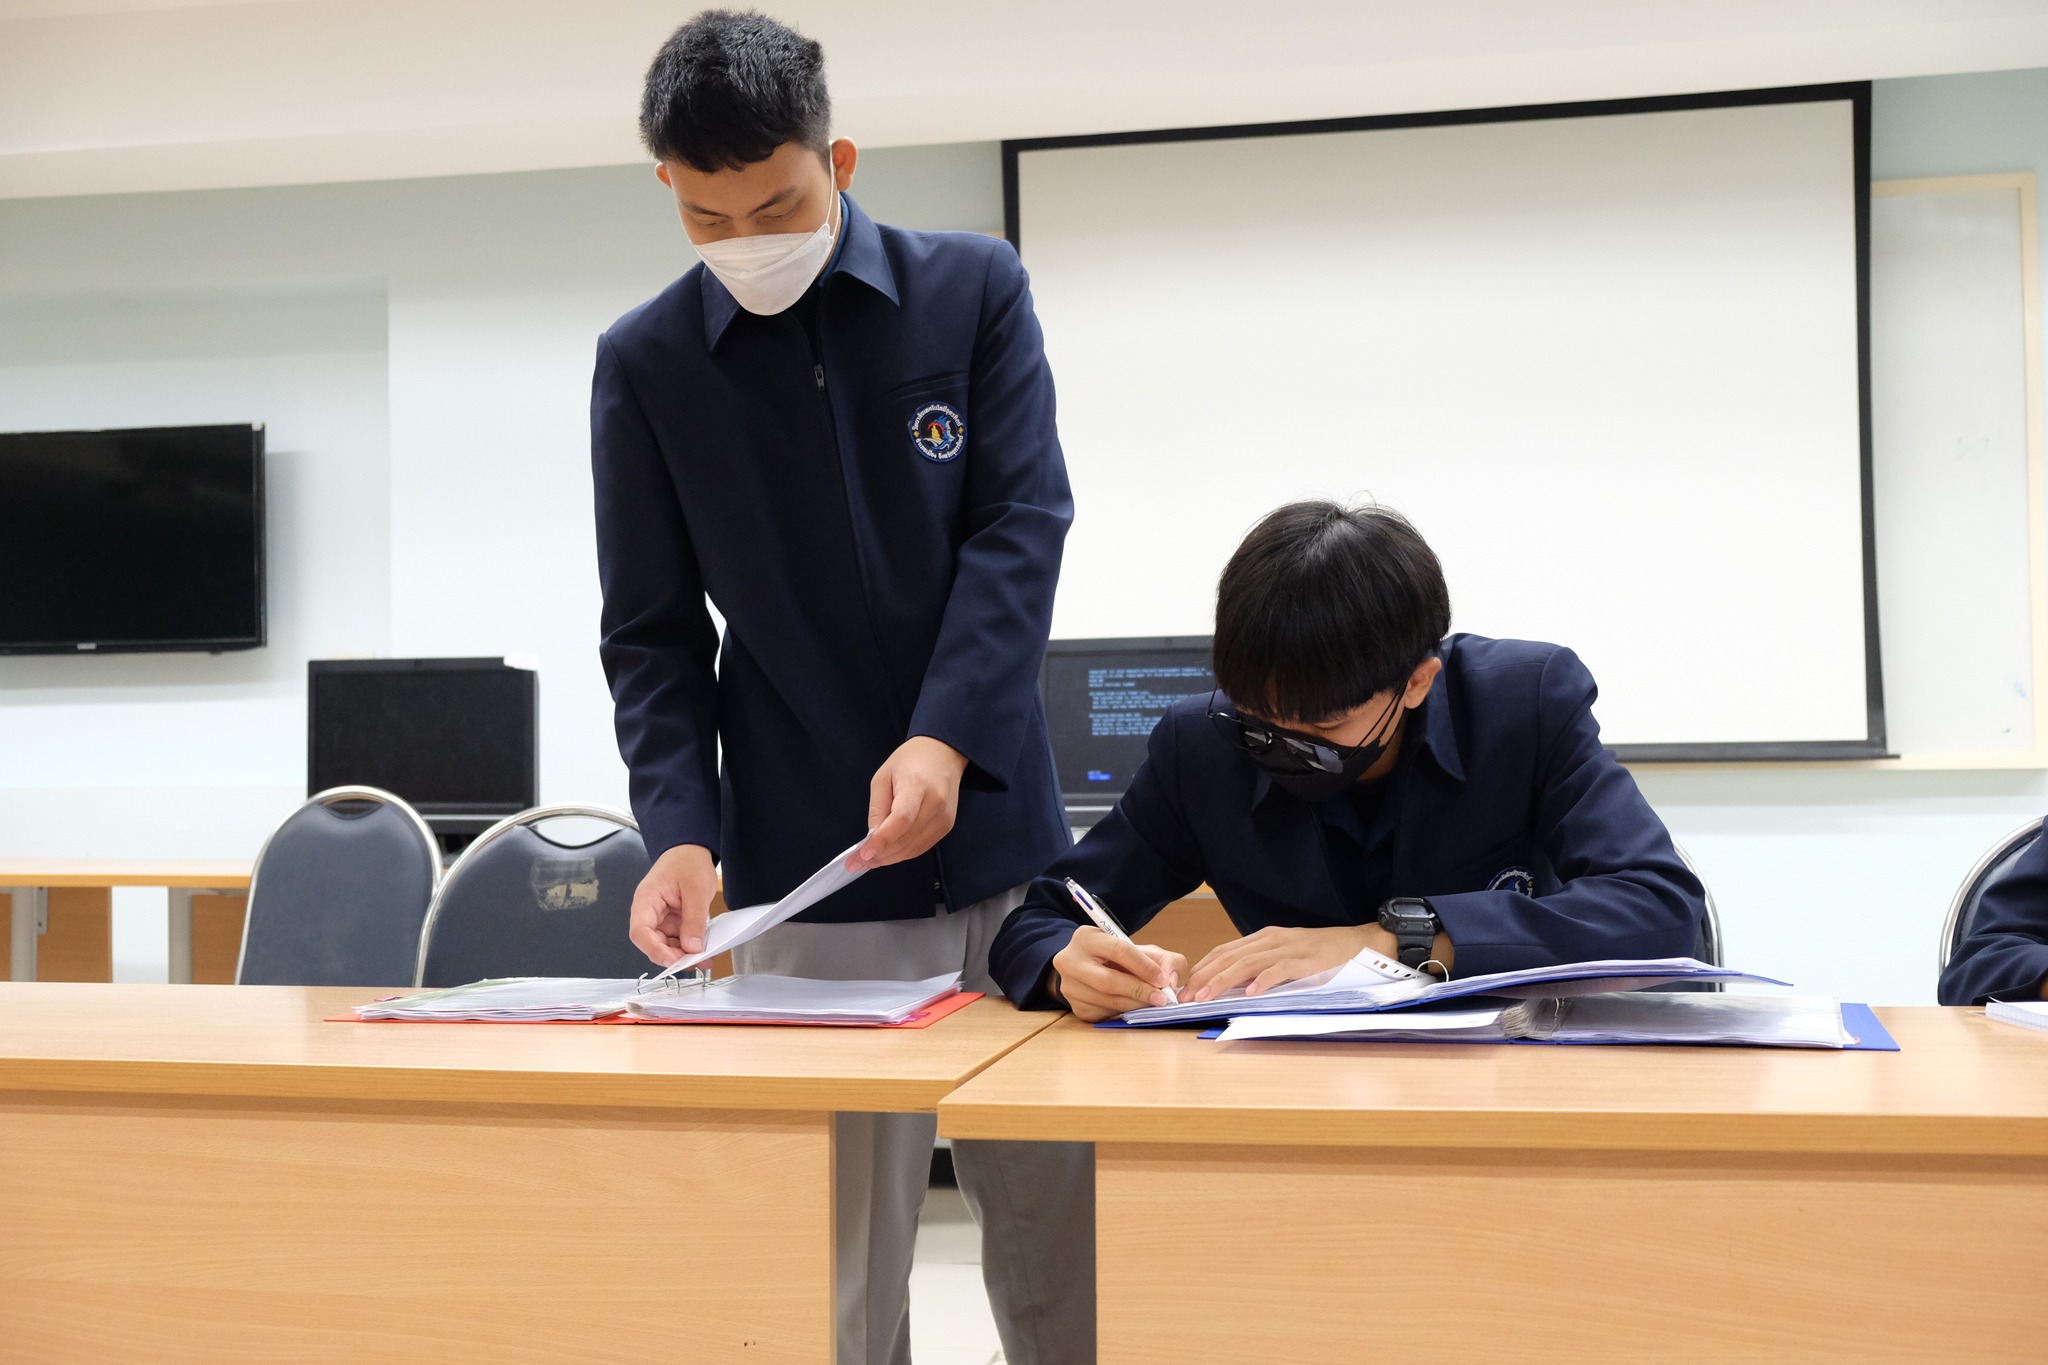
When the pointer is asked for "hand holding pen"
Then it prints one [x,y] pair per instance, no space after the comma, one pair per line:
[1102,975]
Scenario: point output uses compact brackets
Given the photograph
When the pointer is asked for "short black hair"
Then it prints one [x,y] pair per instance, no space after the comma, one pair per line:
[728,88]
[1324,607]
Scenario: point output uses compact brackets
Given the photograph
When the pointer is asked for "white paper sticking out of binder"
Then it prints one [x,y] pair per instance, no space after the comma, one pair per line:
[793,1000]
[1618,1017]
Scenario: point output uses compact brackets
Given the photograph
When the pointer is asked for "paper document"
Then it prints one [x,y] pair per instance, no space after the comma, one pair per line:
[1609,1017]
[2026,1013]
[1361,986]
[735,927]
[1399,1026]
[510,1000]
[793,1000]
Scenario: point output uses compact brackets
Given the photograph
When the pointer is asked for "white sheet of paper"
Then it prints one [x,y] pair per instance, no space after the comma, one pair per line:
[1251,1026]
[735,927]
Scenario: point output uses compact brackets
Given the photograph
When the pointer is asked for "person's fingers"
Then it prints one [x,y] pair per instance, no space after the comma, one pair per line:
[693,922]
[1129,958]
[647,934]
[892,840]
[1110,987]
[1220,962]
[1277,974]
[1239,970]
[1176,966]
[880,787]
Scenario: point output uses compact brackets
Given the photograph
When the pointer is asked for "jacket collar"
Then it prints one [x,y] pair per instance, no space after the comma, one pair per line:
[1429,729]
[858,254]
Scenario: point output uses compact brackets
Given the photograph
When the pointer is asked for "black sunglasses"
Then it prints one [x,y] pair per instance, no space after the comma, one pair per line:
[1301,752]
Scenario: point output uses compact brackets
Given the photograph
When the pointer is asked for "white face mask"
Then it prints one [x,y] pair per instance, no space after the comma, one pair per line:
[769,272]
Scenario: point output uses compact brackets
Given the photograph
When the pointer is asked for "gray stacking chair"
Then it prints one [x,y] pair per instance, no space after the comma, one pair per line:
[1990,869]
[339,893]
[517,903]
[1707,946]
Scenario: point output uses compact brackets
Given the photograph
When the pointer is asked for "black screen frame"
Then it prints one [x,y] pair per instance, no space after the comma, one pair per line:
[192,644]
[436,811]
[1857,95]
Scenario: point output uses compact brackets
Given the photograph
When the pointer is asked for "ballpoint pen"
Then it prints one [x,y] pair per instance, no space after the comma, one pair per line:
[1094,910]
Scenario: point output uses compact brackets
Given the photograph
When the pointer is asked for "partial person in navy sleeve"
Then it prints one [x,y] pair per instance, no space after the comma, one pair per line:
[840,434]
[2005,954]
[1360,780]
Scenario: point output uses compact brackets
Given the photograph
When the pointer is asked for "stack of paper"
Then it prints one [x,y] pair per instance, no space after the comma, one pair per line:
[1618,1017]
[509,1000]
[1363,985]
[792,1000]
[2026,1013]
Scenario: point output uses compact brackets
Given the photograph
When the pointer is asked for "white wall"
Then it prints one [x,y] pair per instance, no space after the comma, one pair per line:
[496,285]
[421,351]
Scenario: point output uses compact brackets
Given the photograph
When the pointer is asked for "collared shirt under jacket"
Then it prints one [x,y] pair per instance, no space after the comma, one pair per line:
[879,521]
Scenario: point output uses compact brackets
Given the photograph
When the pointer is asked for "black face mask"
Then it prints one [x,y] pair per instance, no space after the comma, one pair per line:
[1308,768]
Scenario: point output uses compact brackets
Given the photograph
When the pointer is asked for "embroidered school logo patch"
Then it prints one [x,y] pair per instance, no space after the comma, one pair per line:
[938,432]
[1513,879]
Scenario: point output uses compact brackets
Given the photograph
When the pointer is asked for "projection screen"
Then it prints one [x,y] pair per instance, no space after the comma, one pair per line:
[1609,358]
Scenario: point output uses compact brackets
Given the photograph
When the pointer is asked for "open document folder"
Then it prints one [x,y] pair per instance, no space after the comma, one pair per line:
[733,1000]
[1612,1017]
[1366,985]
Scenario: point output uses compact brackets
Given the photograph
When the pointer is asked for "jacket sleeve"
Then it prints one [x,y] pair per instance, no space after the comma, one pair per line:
[1625,893]
[2005,956]
[658,644]
[1139,859]
[981,686]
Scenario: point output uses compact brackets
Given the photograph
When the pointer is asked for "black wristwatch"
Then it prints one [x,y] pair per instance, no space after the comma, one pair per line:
[1414,927]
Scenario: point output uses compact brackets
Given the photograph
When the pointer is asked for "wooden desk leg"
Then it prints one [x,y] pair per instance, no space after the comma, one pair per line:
[1276,1256]
[30,905]
[181,936]
[182,1231]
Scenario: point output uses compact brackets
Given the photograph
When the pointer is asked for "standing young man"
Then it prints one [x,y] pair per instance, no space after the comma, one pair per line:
[842,434]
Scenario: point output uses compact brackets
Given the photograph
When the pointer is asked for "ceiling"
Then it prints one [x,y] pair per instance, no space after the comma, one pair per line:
[104,96]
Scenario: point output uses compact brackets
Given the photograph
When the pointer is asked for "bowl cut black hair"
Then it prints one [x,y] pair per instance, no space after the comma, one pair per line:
[728,88]
[1325,606]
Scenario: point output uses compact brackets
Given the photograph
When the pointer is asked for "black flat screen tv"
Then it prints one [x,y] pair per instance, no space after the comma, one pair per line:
[131,541]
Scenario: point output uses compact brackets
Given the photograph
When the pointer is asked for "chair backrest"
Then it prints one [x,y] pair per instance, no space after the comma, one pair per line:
[516,903]
[1707,946]
[1990,869]
[339,892]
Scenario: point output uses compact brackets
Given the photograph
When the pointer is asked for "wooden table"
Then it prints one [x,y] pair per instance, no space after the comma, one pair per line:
[32,879]
[1280,1202]
[214,1174]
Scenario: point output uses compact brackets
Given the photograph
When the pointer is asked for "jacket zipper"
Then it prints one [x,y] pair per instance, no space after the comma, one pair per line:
[818,376]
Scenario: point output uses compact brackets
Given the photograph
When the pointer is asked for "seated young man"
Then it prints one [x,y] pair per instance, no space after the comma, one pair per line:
[1360,781]
[2005,955]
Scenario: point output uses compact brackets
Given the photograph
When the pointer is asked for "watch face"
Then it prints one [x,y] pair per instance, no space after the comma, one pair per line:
[1409,917]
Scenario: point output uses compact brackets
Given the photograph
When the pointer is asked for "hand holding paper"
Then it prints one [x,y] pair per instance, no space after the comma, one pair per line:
[672,903]
[735,927]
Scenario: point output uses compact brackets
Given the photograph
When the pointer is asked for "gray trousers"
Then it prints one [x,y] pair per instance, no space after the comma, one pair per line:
[1034,1201]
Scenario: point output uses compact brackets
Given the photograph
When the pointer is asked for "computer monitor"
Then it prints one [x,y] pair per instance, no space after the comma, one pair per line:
[1102,698]
[458,738]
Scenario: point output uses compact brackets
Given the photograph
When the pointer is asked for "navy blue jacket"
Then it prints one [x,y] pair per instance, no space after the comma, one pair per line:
[877,582]
[1501,783]
[2005,954]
